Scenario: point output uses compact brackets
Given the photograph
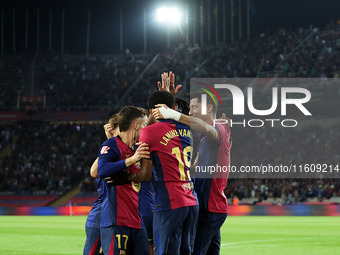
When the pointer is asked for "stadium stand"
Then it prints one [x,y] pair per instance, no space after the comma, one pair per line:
[26,200]
[48,158]
[80,82]
[13,72]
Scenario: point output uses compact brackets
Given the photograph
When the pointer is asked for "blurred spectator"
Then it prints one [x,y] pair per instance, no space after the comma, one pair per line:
[48,158]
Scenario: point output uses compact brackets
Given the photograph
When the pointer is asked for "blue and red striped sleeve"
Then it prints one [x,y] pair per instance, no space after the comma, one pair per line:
[109,162]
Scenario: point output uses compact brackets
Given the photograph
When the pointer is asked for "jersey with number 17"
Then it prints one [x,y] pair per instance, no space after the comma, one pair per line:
[170,144]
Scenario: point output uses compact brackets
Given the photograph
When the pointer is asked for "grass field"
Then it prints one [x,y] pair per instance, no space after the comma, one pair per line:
[38,235]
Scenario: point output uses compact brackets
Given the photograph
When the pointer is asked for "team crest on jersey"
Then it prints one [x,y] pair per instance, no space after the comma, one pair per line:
[138,165]
[122,252]
[104,150]
[186,186]
[136,186]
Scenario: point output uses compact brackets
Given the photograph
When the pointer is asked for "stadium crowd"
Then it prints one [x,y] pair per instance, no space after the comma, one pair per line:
[87,82]
[47,158]
[13,74]
[309,145]
[270,52]
[80,82]
[288,190]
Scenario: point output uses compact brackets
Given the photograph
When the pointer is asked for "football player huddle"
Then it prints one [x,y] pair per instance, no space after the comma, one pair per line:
[149,199]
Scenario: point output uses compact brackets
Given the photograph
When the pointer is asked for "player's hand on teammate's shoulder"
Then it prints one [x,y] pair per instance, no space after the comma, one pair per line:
[156,112]
[164,112]
[141,152]
[161,105]
[123,177]
[168,83]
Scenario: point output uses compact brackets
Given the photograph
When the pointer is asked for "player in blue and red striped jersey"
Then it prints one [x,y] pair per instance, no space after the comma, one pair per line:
[213,149]
[147,192]
[176,204]
[122,230]
[92,225]
[146,208]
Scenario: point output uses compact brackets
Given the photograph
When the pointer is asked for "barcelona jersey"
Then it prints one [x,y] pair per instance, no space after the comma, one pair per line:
[210,191]
[170,145]
[93,219]
[120,206]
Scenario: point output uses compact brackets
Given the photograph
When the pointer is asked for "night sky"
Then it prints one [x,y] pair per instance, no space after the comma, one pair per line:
[265,16]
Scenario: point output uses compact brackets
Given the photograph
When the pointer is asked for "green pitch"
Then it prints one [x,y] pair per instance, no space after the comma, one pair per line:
[41,235]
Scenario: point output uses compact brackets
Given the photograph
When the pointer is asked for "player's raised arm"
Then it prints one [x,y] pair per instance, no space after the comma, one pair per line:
[168,83]
[163,112]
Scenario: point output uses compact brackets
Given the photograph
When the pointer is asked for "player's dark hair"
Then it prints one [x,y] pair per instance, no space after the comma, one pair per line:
[127,115]
[114,120]
[161,97]
[145,111]
[198,95]
[182,105]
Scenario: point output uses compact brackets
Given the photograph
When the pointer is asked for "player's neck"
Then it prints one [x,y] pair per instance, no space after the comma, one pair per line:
[128,138]
[210,119]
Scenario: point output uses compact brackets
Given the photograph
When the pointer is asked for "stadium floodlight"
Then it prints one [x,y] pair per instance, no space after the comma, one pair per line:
[169,15]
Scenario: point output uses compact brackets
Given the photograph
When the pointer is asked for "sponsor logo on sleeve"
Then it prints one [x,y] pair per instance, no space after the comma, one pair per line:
[104,150]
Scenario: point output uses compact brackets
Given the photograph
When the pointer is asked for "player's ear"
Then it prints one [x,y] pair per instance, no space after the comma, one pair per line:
[210,108]
[174,107]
